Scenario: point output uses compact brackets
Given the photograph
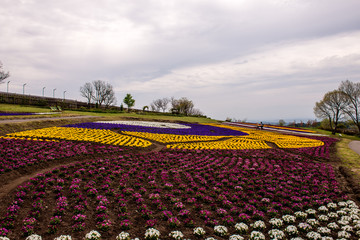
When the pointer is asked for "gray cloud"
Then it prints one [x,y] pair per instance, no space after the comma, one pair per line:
[186,48]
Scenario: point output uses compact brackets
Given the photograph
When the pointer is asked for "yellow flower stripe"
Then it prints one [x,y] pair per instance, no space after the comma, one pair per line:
[102,136]
[234,143]
[172,138]
[281,140]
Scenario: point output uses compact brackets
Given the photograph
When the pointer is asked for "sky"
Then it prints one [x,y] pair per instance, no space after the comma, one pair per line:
[253,60]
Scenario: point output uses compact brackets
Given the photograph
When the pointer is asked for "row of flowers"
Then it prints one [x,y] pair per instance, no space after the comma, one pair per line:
[101,133]
[102,136]
[293,129]
[173,188]
[156,127]
[18,153]
[340,220]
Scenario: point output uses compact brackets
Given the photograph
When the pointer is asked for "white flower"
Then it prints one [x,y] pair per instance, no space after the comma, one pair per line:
[326,238]
[344,234]
[313,235]
[301,215]
[311,211]
[64,237]
[259,225]
[276,234]
[221,230]
[123,236]
[291,230]
[332,205]
[323,209]
[289,218]
[333,215]
[312,222]
[347,228]
[255,235]
[93,235]
[333,226]
[4,238]
[341,222]
[276,222]
[241,227]
[341,213]
[152,234]
[176,235]
[305,226]
[342,204]
[296,238]
[34,237]
[148,124]
[199,231]
[323,230]
[236,237]
[345,218]
[210,238]
[323,218]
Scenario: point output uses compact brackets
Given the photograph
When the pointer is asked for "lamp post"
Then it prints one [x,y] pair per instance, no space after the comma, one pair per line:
[54,92]
[7,87]
[43,91]
[64,95]
[24,88]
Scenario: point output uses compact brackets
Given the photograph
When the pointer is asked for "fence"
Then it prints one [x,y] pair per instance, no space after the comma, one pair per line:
[14,98]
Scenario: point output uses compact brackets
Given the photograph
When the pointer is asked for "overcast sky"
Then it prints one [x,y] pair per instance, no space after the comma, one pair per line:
[243,59]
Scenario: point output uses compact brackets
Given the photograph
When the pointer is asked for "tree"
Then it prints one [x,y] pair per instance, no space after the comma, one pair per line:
[99,92]
[331,107]
[129,101]
[352,93]
[87,91]
[182,105]
[3,75]
[160,104]
[281,122]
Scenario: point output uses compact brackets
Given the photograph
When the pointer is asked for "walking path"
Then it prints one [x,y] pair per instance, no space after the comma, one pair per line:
[355,146]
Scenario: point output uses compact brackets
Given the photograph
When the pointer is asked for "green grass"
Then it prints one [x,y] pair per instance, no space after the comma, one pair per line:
[20,108]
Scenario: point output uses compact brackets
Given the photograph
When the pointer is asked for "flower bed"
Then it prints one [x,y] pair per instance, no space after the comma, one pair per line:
[17,153]
[180,190]
[102,136]
[188,129]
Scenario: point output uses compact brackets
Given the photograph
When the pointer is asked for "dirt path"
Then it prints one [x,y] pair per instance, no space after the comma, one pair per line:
[355,146]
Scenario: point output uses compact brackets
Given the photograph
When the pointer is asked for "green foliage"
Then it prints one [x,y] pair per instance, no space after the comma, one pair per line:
[129,101]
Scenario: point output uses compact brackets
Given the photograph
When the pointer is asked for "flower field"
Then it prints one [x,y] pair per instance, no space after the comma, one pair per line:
[198,187]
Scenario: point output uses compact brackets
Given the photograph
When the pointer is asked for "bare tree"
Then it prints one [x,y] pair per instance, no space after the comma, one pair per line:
[160,104]
[99,92]
[3,75]
[352,93]
[332,108]
[87,91]
[104,93]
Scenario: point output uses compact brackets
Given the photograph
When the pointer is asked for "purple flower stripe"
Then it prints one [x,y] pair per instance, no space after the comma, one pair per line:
[196,129]
[15,114]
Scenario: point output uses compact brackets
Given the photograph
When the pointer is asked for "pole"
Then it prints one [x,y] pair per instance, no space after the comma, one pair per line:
[54,92]
[43,91]
[64,95]
[7,87]
[24,88]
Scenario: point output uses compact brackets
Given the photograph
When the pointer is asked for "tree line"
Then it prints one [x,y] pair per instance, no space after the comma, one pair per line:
[103,94]
[339,105]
